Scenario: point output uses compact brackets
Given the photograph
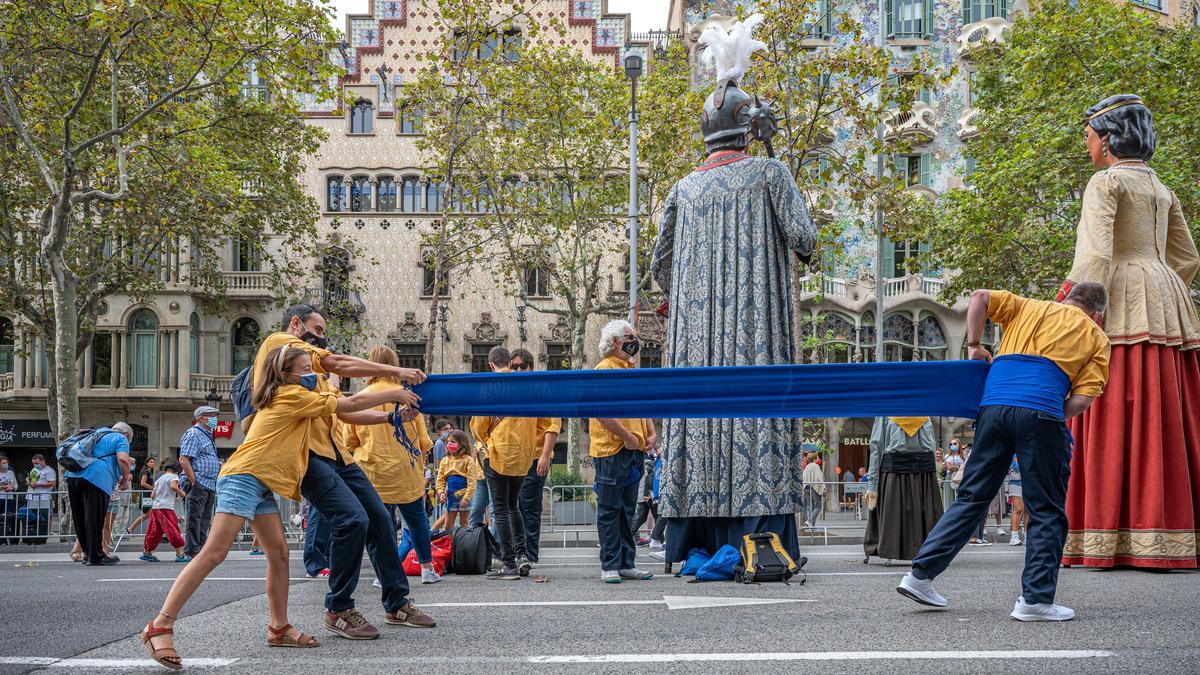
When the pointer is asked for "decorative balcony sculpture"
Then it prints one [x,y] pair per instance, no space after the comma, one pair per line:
[981,35]
[967,128]
[918,125]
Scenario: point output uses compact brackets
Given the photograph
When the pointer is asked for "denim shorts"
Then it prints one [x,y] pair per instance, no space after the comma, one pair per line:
[244,496]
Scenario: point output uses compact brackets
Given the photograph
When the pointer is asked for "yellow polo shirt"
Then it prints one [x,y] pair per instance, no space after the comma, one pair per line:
[513,442]
[1059,332]
[326,436]
[398,477]
[463,465]
[604,443]
[276,448]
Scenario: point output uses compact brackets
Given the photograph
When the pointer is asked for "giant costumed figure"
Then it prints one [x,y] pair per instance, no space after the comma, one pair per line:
[1135,475]
[723,258]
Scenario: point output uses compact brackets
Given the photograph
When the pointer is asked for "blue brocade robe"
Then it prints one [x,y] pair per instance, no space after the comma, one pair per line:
[723,258]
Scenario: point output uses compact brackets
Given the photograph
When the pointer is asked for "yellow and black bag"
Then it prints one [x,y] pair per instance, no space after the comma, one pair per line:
[764,559]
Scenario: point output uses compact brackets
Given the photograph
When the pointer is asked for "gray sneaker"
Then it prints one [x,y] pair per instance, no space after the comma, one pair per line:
[1023,611]
[523,566]
[920,590]
[505,573]
[634,574]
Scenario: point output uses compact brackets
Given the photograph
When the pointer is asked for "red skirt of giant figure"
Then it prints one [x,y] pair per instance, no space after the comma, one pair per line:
[1134,497]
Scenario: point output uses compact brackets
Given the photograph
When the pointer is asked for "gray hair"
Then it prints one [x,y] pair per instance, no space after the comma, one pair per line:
[612,330]
[1090,295]
[123,429]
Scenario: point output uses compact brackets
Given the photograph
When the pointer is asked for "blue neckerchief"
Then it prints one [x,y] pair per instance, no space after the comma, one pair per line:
[402,436]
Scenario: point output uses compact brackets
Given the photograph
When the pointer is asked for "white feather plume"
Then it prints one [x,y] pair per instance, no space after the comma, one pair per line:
[730,50]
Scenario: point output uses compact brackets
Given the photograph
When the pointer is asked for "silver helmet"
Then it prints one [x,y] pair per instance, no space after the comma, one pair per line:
[725,119]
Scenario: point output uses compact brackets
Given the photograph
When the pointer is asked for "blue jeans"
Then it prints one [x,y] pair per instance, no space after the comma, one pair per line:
[357,519]
[316,542]
[481,503]
[616,500]
[1042,446]
[417,523]
[531,511]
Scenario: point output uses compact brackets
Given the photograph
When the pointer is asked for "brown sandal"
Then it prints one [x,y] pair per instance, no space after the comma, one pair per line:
[164,656]
[278,637]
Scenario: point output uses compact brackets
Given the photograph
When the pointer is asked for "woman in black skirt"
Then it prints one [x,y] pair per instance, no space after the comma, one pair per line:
[903,499]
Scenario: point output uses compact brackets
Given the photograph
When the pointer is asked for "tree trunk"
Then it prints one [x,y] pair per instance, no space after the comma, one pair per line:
[574,426]
[66,329]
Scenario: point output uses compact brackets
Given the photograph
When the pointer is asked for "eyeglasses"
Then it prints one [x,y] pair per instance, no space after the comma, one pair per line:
[521,366]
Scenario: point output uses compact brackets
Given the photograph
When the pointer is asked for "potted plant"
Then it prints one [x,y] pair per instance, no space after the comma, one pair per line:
[573,502]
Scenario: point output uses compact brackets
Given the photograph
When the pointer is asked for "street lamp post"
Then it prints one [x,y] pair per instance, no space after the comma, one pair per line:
[879,243]
[633,70]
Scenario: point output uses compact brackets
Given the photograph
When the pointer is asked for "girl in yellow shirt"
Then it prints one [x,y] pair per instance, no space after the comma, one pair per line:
[272,459]
[457,475]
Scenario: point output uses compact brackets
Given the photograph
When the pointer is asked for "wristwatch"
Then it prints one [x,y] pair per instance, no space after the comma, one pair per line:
[973,344]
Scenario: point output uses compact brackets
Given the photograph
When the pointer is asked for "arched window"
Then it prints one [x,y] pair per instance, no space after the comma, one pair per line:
[867,337]
[898,338]
[8,345]
[990,338]
[335,279]
[360,193]
[931,338]
[385,194]
[336,194]
[194,343]
[410,195]
[837,336]
[245,344]
[143,349]
[362,117]
[434,193]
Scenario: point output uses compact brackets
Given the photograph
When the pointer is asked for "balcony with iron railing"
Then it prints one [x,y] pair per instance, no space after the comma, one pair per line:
[980,35]
[918,125]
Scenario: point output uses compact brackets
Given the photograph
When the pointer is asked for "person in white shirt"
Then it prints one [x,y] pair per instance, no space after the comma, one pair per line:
[8,499]
[162,514]
[814,489]
[38,501]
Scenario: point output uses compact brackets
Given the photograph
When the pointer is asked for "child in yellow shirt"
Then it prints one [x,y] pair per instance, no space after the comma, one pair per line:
[272,459]
[457,475]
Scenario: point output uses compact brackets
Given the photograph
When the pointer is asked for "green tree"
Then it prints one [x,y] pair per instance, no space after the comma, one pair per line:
[140,137]
[1014,226]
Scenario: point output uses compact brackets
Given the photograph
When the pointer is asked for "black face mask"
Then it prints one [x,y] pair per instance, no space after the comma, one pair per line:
[315,340]
[631,348]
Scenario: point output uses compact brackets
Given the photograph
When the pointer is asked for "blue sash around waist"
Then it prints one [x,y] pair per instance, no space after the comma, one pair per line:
[1025,381]
[455,483]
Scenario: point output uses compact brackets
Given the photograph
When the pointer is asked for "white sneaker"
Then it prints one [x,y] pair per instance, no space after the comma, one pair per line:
[634,574]
[610,576]
[1014,540]
[656,545]
[920,590]
[1041,612]
[1000,532]
[430,576]
[658,555]
[376,584]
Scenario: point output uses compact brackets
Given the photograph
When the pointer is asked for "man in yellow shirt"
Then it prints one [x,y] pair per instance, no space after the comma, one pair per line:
[618,449]
[339,490]
[530,499]
[511,443]
[1051,364]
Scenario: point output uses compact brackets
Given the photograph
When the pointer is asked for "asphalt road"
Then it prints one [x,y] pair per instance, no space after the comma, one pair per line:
[846,618]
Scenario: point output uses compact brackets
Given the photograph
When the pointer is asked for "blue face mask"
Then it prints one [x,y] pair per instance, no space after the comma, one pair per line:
[211,422]
[309,381]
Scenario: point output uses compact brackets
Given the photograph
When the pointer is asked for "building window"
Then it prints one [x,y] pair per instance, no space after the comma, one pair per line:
[978,10]
[1196,13]
[410,195]
[193,344]
[411,354]
[362,117]
[913,169]
[246,256]
[866,333]
[1156,5]
[102,360]
[143,349]
[909,19]
[990,338]
[900,256]
[512,45]
[385,194]
[837,338]
[651,355]
[255,88]
[558,356]
[245,344]
[336,194]
[427,282]
[410,120]
[434,193]
[968,169]
[821,26]
[360,193]
[335,279]
[931,339]
[8,345]
[508,45]
[479,356]
[537,282]
[898,338]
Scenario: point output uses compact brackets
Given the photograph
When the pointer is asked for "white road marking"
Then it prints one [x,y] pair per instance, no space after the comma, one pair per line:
[122,580]
[824,656]
[106,663]
[673,602]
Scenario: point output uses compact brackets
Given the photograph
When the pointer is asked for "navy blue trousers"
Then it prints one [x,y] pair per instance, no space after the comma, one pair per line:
[617,481]
[1043,448]
[530,503]
[316,542]
[357,519]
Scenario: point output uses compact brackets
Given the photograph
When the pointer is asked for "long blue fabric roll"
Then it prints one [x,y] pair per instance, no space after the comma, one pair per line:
[943,388]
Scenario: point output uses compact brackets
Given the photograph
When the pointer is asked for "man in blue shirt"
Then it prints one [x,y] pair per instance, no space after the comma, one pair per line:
[89,490]
[198,455]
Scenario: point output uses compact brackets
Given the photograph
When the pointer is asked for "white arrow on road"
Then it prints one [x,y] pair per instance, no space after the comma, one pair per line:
[671,601]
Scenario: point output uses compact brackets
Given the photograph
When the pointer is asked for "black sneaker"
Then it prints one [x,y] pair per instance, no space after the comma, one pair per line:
[505,573]
[523,566]
[108,560]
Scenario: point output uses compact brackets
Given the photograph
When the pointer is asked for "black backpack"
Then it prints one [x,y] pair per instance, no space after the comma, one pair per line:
[764,559]
[471,551]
